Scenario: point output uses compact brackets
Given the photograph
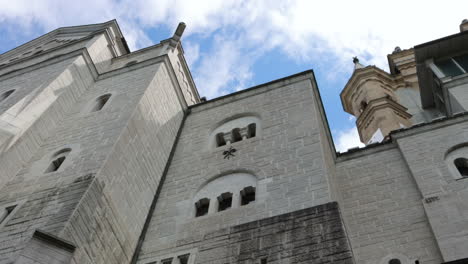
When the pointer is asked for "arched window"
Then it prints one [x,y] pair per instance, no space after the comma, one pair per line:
[247,195]
[227,191]
[236,135]
[202,207]
[394,261]
[57,160]
[462,166]
[224,201]
[220,140]
[251,130]
[100,102]
[6,94]
[235,130]
[363,106]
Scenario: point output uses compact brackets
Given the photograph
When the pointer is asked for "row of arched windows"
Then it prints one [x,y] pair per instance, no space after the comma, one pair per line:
[225,201]
[236,135]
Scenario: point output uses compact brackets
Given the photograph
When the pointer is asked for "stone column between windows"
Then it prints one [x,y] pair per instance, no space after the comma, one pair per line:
[227,138]
[243,131]
[235,200]
[213,207]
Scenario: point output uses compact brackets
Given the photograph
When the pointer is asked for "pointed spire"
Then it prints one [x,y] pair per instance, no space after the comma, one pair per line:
[357,64]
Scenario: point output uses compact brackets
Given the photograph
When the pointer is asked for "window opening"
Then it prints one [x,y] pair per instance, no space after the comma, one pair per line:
[6,94]
[247,195]
[166,261]
[100,102]
[462,166]
[58,160]
[224,201]
[263,261]
[202,207]
[184,259]
[449,67]
[6,212]
[251,130]
[236,135]
[394,261]
[220,140]
[363,106]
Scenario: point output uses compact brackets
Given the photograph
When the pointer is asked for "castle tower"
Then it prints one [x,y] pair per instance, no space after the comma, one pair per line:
[370,96]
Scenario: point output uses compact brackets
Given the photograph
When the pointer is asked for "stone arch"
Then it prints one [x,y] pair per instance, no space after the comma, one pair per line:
[396,258]
[227,186]
[234,129]
[456,159]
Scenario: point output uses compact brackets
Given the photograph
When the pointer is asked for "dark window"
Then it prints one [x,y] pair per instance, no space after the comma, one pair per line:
[100,102]
[251,130]
[57,160]
[449,68]
[5,95]
[394,261]
[166,261]
[184,259]
[224,201]
[247,195]
[462,166]
[363,106]
[202,207]
[6,212]
[236,135]
[263,261]
[220,140]
[462,60]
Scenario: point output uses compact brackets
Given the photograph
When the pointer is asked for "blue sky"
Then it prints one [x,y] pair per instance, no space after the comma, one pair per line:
[235,44]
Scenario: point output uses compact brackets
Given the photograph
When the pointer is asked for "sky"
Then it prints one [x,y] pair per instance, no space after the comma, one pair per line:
[231,45]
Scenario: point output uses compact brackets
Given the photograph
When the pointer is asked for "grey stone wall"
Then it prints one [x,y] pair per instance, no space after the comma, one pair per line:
[312,235]
[286,159]
[443,192]
[382,208]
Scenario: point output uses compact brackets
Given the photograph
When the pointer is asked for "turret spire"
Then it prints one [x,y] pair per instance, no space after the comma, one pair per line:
[357,64]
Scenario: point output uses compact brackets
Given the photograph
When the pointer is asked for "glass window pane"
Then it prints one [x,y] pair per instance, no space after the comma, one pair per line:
[462,60]
[448,68]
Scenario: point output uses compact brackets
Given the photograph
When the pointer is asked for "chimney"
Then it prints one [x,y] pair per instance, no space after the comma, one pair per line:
[464,25]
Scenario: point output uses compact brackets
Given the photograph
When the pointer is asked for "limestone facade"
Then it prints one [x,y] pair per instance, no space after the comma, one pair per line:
[110,156]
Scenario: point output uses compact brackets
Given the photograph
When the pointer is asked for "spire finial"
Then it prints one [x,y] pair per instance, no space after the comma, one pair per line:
[357,64]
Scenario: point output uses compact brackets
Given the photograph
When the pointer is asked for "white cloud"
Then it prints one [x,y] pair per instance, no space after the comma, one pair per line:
[347,139]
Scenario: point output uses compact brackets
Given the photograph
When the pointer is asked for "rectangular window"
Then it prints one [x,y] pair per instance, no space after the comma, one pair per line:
[462,60]
[449,68]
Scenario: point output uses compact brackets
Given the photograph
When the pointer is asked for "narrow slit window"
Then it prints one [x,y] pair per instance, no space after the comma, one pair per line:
[202,207]
[363,106]
[57,160]
[5,95]
[220,140]
[236,135]
[184,259]
[224,201]
[100,102]
[247,195]
[251,130]
[6,212]
[462,166]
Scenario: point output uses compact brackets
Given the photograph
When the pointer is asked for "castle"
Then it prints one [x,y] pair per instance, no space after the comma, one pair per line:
[111,156]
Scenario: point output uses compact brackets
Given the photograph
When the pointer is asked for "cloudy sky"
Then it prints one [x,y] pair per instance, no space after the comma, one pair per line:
[235,44]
